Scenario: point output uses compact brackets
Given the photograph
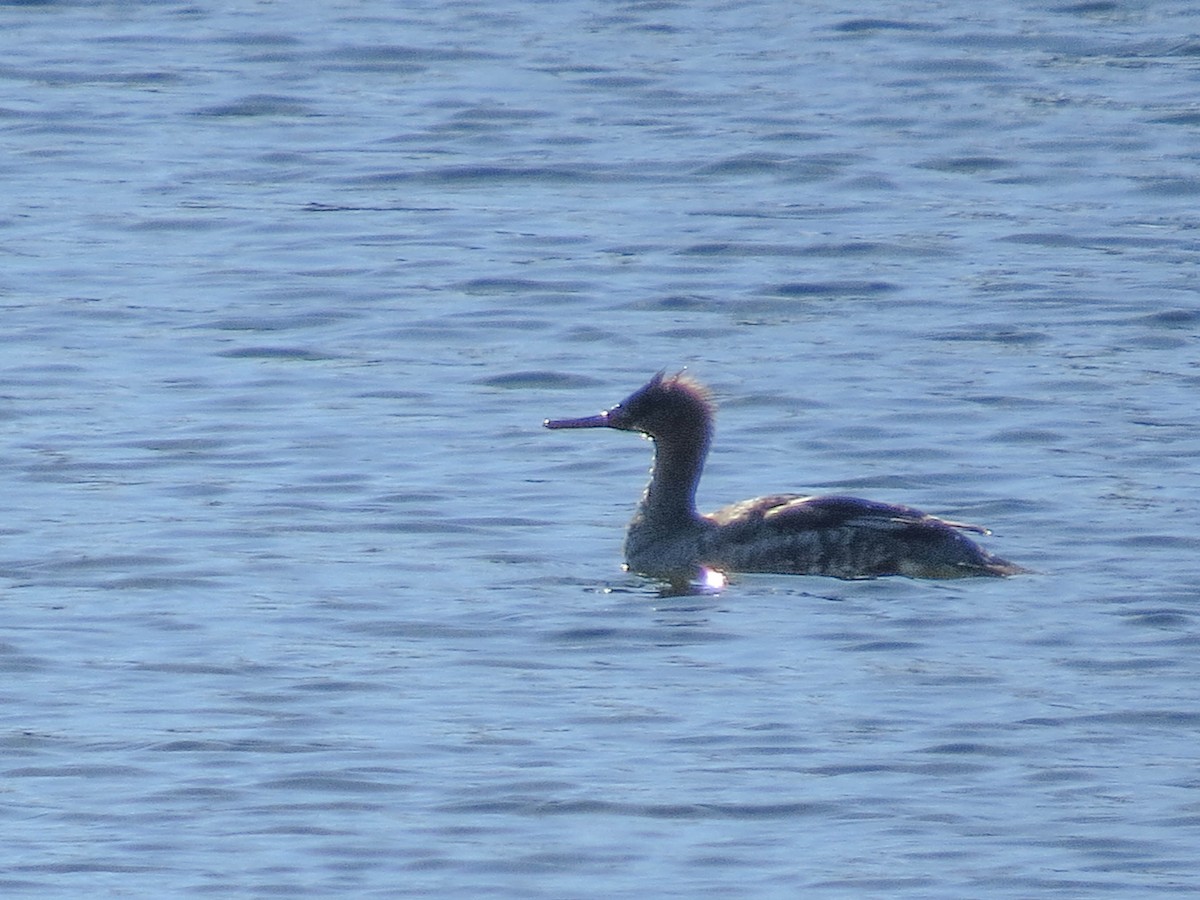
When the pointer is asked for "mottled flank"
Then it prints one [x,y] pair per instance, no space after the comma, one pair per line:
[844,537]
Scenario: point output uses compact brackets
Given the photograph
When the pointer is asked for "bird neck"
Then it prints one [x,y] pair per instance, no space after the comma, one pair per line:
[671,494]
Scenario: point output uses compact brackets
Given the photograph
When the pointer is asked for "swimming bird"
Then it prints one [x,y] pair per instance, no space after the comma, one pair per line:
[845,537]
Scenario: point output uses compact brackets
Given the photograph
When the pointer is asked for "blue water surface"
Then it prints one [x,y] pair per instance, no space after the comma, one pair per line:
[299,598]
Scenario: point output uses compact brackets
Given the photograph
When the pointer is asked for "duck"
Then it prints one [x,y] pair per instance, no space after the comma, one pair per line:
[839,536]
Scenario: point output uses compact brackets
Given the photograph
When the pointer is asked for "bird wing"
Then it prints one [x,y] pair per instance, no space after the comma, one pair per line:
[796,512]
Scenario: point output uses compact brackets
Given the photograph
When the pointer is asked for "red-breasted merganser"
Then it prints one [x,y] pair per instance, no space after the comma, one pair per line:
[845,537]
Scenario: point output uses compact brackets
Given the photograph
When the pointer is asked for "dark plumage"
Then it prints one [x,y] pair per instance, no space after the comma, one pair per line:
[845,537]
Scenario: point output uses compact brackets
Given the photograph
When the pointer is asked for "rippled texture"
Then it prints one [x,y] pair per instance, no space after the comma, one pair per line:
[299,597]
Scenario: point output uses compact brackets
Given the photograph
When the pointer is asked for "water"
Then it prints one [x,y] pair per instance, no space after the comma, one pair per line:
[299,597]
